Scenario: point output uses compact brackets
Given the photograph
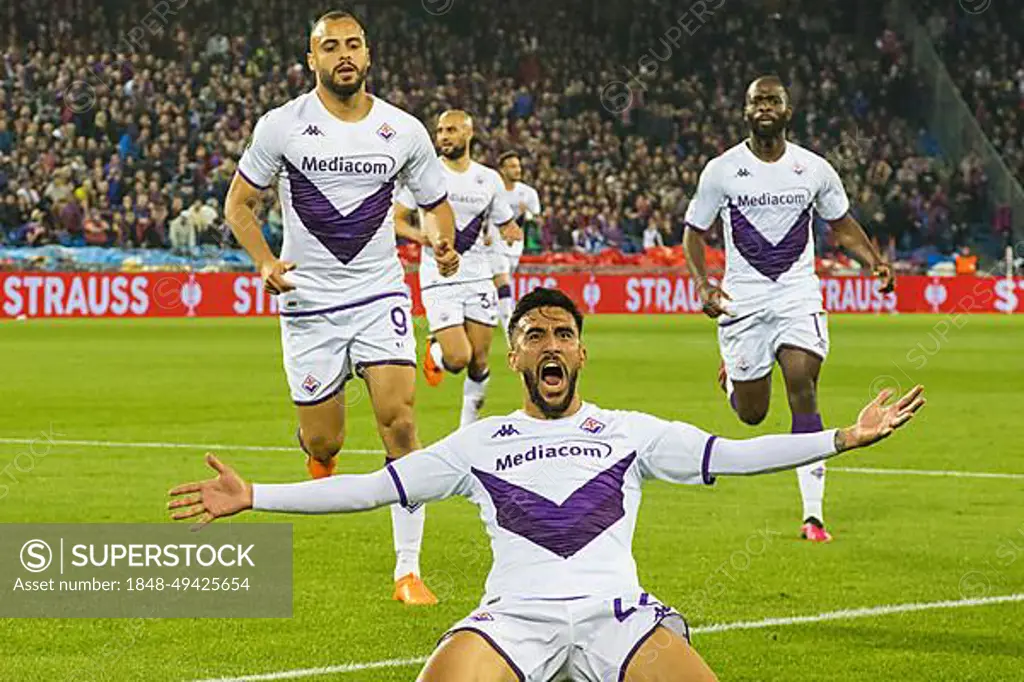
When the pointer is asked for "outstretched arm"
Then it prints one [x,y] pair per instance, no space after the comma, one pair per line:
[685,454]
[419,477]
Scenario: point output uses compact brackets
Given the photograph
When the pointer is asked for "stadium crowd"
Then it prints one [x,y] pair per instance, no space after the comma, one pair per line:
[982,50]
[130,136]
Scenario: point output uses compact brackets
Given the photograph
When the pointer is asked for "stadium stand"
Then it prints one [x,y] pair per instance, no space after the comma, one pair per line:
[128,137]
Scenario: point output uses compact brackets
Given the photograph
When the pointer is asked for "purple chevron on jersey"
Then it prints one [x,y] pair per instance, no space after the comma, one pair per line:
[566,528]
[467,236]
[343,235]
[771,260]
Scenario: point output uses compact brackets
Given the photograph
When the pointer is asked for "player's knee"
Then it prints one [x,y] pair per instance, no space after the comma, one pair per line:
[322,447]
[457,360]
[752,414]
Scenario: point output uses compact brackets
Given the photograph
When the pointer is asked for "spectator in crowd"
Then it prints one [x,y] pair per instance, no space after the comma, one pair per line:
[652,236]
[97,229]
[181,228]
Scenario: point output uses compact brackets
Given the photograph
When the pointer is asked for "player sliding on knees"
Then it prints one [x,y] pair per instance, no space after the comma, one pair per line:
[335,154]
[558,485]
[462,311]
[766,193]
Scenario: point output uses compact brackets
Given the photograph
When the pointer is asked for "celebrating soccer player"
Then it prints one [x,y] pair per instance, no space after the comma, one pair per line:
[766,193]
[336,153]
[505,254]
[462,311]
[558,486]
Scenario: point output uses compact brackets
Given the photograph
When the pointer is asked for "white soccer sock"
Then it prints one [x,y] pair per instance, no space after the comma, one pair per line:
[473,393]
[408,531]
[437,354]
[812,489]
[505,308]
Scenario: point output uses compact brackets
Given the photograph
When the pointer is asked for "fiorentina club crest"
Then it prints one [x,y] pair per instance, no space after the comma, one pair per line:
[591,425]
[386,132]
[798,169]
[310,384]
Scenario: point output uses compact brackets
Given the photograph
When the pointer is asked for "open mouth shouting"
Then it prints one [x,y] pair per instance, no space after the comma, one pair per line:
[553,377]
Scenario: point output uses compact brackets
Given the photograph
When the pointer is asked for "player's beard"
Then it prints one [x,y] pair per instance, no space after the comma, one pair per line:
[776,130]
[549,409]
[340,90]
[455,153]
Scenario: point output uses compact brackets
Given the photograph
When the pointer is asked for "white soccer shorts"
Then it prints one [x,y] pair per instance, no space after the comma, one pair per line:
[322,350]
[450,305]
[750,343]
[584,638]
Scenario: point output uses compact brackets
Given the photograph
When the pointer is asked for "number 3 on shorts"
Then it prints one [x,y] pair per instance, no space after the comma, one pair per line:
[400,321]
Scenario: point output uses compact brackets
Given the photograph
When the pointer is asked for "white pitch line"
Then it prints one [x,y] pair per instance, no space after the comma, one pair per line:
[183,446]
[927,472]
[286,448]
[326,670]
[845,614]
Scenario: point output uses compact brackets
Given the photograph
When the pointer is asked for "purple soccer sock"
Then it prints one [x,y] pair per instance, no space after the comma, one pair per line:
[804,422]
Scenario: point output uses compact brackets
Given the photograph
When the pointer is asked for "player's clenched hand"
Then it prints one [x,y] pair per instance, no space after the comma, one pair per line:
[225,495]
[447,258]
[878,420]
[713,299]
[511,233]
[883,271]
[272,273]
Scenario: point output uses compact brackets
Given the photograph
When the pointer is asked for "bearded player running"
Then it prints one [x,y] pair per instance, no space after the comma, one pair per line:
[462,310]
[335,154]
[558,486]
[766,192]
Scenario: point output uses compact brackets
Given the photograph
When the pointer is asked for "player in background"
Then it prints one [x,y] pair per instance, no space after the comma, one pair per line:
[525,203]
[562,597]
[461,310]
[766,192]
[334,155]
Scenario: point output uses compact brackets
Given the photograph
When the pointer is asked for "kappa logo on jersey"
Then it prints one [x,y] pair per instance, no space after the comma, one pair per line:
[505,431]
[310,384]
[482,616]
[480,179]
[743,173]
[591,425]
[386,132]
[313,130]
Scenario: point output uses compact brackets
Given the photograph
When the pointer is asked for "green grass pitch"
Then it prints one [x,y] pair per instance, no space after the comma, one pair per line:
[899,538]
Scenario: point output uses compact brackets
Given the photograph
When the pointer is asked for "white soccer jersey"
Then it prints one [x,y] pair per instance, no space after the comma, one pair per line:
[336,181]
[523,200]
[476,198]
[767,212]
[559,497]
